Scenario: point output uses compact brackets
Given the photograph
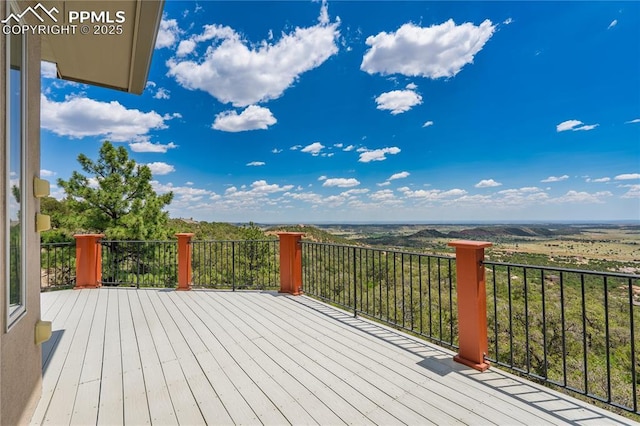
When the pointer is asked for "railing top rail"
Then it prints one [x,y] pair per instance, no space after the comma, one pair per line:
[236,241]
[68,243]
[104,240]
[384,250]
[559,269]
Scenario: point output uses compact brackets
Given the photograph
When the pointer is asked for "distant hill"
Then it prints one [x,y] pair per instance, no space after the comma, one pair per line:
[489,233]
[419,239]
[428,233]
[509,231]
[311,233]
[228,231]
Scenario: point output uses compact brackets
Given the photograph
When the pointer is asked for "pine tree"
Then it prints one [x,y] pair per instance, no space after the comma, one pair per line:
[115,197]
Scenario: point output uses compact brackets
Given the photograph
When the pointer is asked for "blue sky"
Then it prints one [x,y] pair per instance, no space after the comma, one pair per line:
[362,111]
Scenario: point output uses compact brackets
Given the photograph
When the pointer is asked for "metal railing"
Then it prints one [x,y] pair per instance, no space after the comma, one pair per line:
[57,265]
[248,264]
[571,328]
[139,263]
[411,291]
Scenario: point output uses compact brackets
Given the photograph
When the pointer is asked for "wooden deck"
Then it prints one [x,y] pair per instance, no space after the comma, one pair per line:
[126,356]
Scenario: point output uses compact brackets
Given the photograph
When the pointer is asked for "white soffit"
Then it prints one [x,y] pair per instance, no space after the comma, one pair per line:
[111,47]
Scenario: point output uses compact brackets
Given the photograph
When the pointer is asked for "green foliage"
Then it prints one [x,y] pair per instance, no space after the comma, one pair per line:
[57,264]
[206,231]
[413,292]
[123,205]
[15,263]
[312,233]
[247,260]
[60,214]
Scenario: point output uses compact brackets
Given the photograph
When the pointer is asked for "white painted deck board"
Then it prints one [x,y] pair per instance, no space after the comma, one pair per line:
[111,408]
[277,366]
[238,409]
[266,410]
[402,373]
[161,408]
[126,356]
[135,406]
[70,360]
[208,403]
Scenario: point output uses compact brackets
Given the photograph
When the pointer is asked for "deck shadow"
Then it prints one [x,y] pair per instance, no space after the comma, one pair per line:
[49,348]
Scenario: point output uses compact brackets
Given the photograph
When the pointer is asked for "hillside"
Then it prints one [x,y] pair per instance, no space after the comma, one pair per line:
[229,231]
[207,230]
[427,237]
[311,233]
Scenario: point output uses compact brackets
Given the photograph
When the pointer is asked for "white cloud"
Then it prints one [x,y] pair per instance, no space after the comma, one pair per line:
[582,197]
[432,194]
[308,197]
[574,125]
[244,73]
[411,86]
[79,117]
[324,14]
[367,156]
[628,176]
[160,168]
[183,195]
[586,127]
[633,192]
[349,148]
[313,149]
[434,52]
[256,163]
[259,190]
[635,120]
[341,182]
[186,47]
[398,101]
[487,183]
[383,195]
[508,21]
[400,175]
[428,123]
[323,177]
[555,179]
[276,151]
[526,189]
[520,197]
[254,117]
[93,182]
[262,187]
[567,125]
[47,173]
[295,147]
[612,24]
[385,183]
[162,93]
[48,69]
[599,180]
[168,33]
[147,146]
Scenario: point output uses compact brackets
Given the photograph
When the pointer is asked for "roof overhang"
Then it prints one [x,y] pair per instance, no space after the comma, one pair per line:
[106,43]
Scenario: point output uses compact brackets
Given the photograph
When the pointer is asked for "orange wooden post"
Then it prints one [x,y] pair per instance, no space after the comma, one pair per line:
[184,261]
[290,263]
[88,261]
[472,304]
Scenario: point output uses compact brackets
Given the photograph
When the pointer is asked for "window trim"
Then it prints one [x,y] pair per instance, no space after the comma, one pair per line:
[13,315]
